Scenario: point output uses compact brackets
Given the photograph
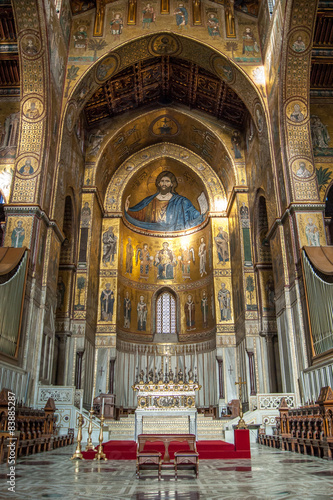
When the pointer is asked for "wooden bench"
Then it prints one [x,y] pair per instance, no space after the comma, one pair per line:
[307,430]
[153,453]
[34,428]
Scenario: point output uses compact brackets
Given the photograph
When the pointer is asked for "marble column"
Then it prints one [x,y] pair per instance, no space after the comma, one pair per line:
[253,385]
[78,368]
[221,385]
[111,376]
[61,362]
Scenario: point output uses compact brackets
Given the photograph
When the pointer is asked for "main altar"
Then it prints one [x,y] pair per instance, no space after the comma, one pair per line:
[169,396]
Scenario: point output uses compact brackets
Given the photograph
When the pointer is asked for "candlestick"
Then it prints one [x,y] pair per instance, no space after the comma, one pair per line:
[100,455]
[90,446]
[77,454]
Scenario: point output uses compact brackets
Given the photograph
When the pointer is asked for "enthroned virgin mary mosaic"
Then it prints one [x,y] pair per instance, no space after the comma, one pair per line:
[165,209]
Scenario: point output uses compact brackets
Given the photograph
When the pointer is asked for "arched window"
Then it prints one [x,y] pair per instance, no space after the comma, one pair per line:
[166,313]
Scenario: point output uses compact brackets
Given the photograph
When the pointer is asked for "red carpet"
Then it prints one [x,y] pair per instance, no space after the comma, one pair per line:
[126,450]
[115,450]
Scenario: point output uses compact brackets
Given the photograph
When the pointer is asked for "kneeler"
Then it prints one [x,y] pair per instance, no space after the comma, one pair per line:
[189,459]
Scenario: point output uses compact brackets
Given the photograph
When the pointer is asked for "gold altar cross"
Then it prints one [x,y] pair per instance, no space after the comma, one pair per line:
[240,383]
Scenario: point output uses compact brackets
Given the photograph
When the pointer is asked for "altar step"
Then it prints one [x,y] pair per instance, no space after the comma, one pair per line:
[124,429]
[209,429]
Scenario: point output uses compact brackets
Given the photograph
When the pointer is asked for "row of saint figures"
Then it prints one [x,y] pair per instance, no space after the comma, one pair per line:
[168,377]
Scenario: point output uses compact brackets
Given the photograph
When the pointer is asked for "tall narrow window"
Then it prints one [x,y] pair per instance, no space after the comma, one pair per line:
[166,313]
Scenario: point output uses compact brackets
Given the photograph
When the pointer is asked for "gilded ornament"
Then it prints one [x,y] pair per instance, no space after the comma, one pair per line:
[223,68]
[70,118]
[30,45]
[164,44]
[33,108]
[27,166]
[107,68]
[302,169]
[299,41]
[296,111]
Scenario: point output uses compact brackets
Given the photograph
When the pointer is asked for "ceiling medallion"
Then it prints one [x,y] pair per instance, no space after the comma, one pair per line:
[223,69]
[164,126]
[107,68]
[164,45]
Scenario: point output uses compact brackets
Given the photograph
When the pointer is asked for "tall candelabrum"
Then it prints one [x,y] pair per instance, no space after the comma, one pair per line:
[90,446]
[78,453]
[100,455]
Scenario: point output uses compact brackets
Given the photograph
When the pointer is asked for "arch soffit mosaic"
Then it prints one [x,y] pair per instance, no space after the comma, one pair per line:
[179,45]
[130,168]
[107,153]
[295,63]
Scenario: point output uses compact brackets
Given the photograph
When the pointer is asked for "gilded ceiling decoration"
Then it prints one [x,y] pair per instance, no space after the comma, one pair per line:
[166,79]
[9,64]
[248,6]
[322,53]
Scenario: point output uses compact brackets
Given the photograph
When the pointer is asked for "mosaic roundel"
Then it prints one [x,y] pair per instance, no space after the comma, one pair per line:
[107,68]
[30,45]
[70,117]
[223,68]
[164,126]
[164,44]
[296,111]
[302,169]
[259,117]
[27,167]
[33,108]
[299,41]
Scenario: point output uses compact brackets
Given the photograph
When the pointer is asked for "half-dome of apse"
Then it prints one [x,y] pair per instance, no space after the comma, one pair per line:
[167,197]
[163,81]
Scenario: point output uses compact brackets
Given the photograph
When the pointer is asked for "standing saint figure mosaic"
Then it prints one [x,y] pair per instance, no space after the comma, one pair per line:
[189,309]
[142,314]
[107,303]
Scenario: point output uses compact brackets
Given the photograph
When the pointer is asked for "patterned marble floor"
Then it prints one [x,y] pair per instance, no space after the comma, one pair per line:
[269,475]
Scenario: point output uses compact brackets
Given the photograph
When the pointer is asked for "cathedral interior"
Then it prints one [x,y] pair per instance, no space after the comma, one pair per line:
[166,194]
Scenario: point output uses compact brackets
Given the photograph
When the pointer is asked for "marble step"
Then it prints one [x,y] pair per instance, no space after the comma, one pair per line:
[207,427]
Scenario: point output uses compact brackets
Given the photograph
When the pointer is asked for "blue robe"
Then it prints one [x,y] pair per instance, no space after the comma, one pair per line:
[180,18]
[180,214]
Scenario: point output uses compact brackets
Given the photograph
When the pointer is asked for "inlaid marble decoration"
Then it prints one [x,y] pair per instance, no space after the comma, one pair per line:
[309,477]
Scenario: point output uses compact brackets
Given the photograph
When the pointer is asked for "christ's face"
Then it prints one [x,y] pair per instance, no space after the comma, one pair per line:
[165,185]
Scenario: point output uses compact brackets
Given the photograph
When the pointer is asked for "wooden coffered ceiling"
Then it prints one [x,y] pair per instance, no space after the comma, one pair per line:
[9,63]
[247,6]
[166,80]
[321,78]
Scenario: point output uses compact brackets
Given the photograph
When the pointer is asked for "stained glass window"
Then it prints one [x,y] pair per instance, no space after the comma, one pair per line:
[166,313]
